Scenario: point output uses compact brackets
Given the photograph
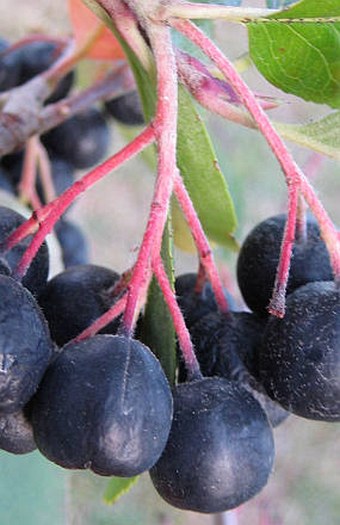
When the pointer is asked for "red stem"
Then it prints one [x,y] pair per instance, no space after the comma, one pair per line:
[291,171]
[277,302]
[204,250]
[182,332]
[51,213]
[165,129]
[103,320]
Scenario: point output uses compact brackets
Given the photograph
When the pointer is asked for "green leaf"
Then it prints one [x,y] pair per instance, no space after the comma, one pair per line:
[117,487]
[321,135]
[202,175]
[298,50]
[157,329]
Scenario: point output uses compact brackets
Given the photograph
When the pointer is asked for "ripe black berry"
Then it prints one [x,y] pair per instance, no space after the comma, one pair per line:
[220,450]
[193,304]
[104,404]
[10,67]
[259,257]
[82,140]
[76,297]
[16,433]
[25,345]
[126,109]
[36,275]
[226,346]
[299,360]
[73,243]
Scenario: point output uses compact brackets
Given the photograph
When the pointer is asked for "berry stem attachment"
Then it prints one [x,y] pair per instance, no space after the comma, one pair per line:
[182,332]
[292,172]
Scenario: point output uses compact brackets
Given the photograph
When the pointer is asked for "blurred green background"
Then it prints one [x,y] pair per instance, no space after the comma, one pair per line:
[304,487]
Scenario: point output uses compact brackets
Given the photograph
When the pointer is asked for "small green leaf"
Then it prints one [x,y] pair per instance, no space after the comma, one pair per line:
[181,232]
[117,487]
[157,330]
[298,50]
[321,135]
[202,175]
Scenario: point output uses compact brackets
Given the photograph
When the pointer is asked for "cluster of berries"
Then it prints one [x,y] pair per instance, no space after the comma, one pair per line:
[105,404]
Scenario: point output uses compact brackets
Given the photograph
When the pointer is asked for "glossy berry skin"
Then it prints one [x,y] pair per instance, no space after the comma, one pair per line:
[104,404]
[299,361]
[220,450]
[126,109]
[259,257]
[226,346]
[82,140]
[73,243]
[36,276]
[193,304]
[25,345]
[16,433]
[76,297]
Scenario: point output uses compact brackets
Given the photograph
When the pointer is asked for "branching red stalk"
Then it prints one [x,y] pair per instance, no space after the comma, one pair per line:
[165,129]
[47,216]
[278,300]
[182,332]
[111,314]
[291,171]
[202,244]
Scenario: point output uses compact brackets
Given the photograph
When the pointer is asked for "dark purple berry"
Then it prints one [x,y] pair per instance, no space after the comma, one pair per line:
[104,404]
[36,276]
[16,433]
[82,140]
[193,304]
[25,345]
[76,297]
[73,243]
[299,361]
[126,109]
[259,258]
[226,346]
[220,450]
[10,67]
